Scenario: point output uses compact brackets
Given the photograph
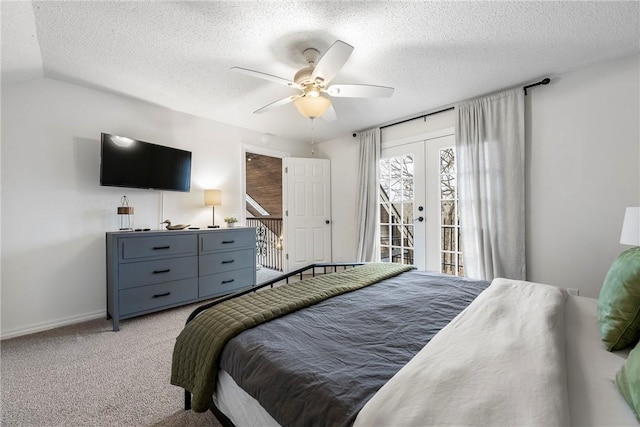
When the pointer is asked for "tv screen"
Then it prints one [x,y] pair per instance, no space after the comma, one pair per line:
[127,162]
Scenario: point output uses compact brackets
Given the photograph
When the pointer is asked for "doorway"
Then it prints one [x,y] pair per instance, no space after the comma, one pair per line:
[263,207]
[288,201]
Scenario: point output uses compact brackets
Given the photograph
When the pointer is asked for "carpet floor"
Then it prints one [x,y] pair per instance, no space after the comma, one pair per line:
[88,375]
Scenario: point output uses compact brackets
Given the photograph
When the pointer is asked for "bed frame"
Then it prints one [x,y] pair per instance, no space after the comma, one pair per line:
[301,272]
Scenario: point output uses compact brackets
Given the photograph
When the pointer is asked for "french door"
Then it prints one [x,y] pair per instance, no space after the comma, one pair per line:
[401,202]
[418,203]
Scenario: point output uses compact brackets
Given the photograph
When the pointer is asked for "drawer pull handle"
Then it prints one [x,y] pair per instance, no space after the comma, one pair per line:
[228,281]
[228,262]
[161,271]
[162,295]
[228,241]
[157,248]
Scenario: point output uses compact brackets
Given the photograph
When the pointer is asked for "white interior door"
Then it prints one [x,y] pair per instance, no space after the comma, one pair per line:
[307,219]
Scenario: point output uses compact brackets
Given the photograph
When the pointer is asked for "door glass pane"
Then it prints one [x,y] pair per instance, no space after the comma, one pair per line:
[395,235]
[447,213]
[396,212]
[408,257]
[447,242]
[384,213]
[407,238]
[447,161]
[447,186]
[446,262]
[384,253]
[407,212]
[384,235]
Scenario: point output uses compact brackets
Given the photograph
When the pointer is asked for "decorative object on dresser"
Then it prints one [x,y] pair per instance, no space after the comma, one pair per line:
[125,213]
[213,198]
[155,270]
[231,221]
[174,227]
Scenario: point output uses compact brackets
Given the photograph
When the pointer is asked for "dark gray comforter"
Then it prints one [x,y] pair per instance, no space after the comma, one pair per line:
[320,365]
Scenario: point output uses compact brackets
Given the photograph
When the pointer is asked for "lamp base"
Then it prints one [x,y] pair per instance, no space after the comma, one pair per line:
[213,226]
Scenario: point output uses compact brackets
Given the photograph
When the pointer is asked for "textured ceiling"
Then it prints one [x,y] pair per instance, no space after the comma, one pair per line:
[178,54]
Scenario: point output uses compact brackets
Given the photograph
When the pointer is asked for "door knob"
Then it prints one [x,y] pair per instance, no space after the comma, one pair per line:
[420,218]
[327,222]
[420,208]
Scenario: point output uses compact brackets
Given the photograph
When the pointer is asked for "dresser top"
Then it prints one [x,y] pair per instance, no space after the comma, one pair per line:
[185,231]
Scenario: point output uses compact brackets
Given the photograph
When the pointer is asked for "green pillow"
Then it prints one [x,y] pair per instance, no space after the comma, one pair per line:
[628,381]
[619,302]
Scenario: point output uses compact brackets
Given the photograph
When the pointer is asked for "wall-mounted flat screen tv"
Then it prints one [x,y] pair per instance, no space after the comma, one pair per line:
[127,162]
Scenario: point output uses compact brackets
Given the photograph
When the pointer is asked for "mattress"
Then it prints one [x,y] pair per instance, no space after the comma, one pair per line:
[594,399]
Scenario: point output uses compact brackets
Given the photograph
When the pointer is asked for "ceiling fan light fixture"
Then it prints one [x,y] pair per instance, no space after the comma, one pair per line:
[312,107]
[312,91]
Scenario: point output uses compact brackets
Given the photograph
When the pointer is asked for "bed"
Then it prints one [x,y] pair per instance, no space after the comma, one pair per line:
[385,344]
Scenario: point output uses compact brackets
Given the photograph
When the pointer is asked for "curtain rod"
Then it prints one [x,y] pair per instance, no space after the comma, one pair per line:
[544,81]
[418,117]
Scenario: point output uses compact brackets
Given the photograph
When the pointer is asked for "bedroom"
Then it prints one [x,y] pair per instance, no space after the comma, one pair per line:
[582,131]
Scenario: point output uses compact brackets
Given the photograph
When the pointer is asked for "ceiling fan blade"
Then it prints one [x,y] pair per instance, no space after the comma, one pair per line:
[329,115]
[277,103]
[332,61]
[359,91]
[266,76]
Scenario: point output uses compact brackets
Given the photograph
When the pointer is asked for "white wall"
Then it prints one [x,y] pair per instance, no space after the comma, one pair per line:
[343,153]
[583,145]
[583,169]
[55,213]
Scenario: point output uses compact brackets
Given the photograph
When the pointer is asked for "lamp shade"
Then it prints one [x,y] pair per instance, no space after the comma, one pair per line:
[631,227]
[212,197]
[312,107]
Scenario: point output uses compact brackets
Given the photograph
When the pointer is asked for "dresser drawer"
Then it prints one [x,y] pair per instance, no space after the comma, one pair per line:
[151,297]
[158,246]
[163,270]
[225,283]
[226,261]
[228,240]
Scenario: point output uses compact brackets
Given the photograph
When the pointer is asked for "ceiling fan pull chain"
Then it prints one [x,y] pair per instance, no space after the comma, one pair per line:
[312,144]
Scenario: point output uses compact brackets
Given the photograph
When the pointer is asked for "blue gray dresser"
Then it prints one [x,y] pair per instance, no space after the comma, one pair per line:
[149,271]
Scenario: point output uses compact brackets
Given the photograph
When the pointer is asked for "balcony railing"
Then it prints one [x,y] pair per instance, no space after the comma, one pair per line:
[268,241]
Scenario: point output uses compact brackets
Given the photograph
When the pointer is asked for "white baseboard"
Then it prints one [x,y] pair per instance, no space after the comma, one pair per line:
[45,326]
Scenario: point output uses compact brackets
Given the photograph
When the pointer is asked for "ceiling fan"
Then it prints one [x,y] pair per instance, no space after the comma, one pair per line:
[313,81]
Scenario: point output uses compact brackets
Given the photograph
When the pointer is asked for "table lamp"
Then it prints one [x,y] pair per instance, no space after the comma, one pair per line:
[213,198]
[631,227]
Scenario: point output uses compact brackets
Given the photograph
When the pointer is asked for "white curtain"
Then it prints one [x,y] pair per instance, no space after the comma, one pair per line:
[490,155]
[367,195]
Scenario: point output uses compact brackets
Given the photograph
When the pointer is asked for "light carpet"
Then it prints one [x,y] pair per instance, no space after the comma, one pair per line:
[88,375]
